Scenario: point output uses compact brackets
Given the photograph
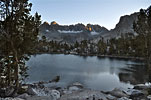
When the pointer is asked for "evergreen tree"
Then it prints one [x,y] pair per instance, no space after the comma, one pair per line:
[18,36]
[102,47]
[143,27]
[76,45]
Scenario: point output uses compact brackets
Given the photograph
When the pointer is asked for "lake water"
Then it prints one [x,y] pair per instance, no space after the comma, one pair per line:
[94,72]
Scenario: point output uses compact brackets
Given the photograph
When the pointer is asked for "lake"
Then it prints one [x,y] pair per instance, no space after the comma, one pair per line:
[99,73]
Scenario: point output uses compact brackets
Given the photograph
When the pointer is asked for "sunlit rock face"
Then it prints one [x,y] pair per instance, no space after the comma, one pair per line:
[70,33]
[54,23]
[54,26]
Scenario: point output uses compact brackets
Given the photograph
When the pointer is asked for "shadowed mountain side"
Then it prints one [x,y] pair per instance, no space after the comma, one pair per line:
[71,33]
[124,26]
[79,32]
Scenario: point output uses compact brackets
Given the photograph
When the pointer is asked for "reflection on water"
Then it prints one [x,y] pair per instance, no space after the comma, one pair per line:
[135,74]
[94,72]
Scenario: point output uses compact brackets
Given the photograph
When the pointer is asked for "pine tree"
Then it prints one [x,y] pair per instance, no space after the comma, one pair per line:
[18,36]
[143,28]
[102,47]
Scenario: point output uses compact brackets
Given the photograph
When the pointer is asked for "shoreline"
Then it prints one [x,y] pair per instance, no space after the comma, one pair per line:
[109,56]
[76,91]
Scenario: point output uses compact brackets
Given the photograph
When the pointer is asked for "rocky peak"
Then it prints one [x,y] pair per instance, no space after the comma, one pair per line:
[80,31]
[44,26]
[125,24]
[54,27]
[96,28]
[123,27]
[54,23]
[46,23]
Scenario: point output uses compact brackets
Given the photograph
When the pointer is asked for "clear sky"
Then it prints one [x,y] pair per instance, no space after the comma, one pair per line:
[103,12]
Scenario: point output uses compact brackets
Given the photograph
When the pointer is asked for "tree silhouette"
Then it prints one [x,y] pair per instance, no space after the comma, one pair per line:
[143,27]
[18,36]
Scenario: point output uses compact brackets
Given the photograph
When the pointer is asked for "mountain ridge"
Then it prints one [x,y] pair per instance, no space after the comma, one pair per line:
[79,32]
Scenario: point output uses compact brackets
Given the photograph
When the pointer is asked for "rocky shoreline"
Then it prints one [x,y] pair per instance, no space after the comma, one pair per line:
[76,91]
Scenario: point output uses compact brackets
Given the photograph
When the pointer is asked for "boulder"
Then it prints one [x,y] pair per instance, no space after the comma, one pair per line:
[137,95]
[142,86]
[2,92]
[47,92]
[9,91]
[55,94]
[65,91]
[55,79]
[110,97]
[31,91]
[39,98]
[75,86]
[118,93]
[124,98]
[85,95]
[149,97]
[11,99]
[132,91]
[23,96]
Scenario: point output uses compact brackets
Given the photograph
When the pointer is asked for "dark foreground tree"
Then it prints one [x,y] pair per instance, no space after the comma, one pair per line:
[143,27]
[18,36]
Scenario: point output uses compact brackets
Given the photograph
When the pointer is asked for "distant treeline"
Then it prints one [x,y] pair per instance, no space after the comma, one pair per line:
[126,45]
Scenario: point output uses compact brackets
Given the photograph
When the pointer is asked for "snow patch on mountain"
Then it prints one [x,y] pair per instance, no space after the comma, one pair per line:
[63,31]
[94,33]
[47,30]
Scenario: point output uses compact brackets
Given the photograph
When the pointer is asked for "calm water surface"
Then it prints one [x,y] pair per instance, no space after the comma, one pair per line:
[94,72]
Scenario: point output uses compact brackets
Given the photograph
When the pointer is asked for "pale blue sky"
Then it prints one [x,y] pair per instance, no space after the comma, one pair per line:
[103,12]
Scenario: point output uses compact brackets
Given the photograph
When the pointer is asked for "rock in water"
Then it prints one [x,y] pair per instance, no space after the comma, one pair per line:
[56,79]
[75,86]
